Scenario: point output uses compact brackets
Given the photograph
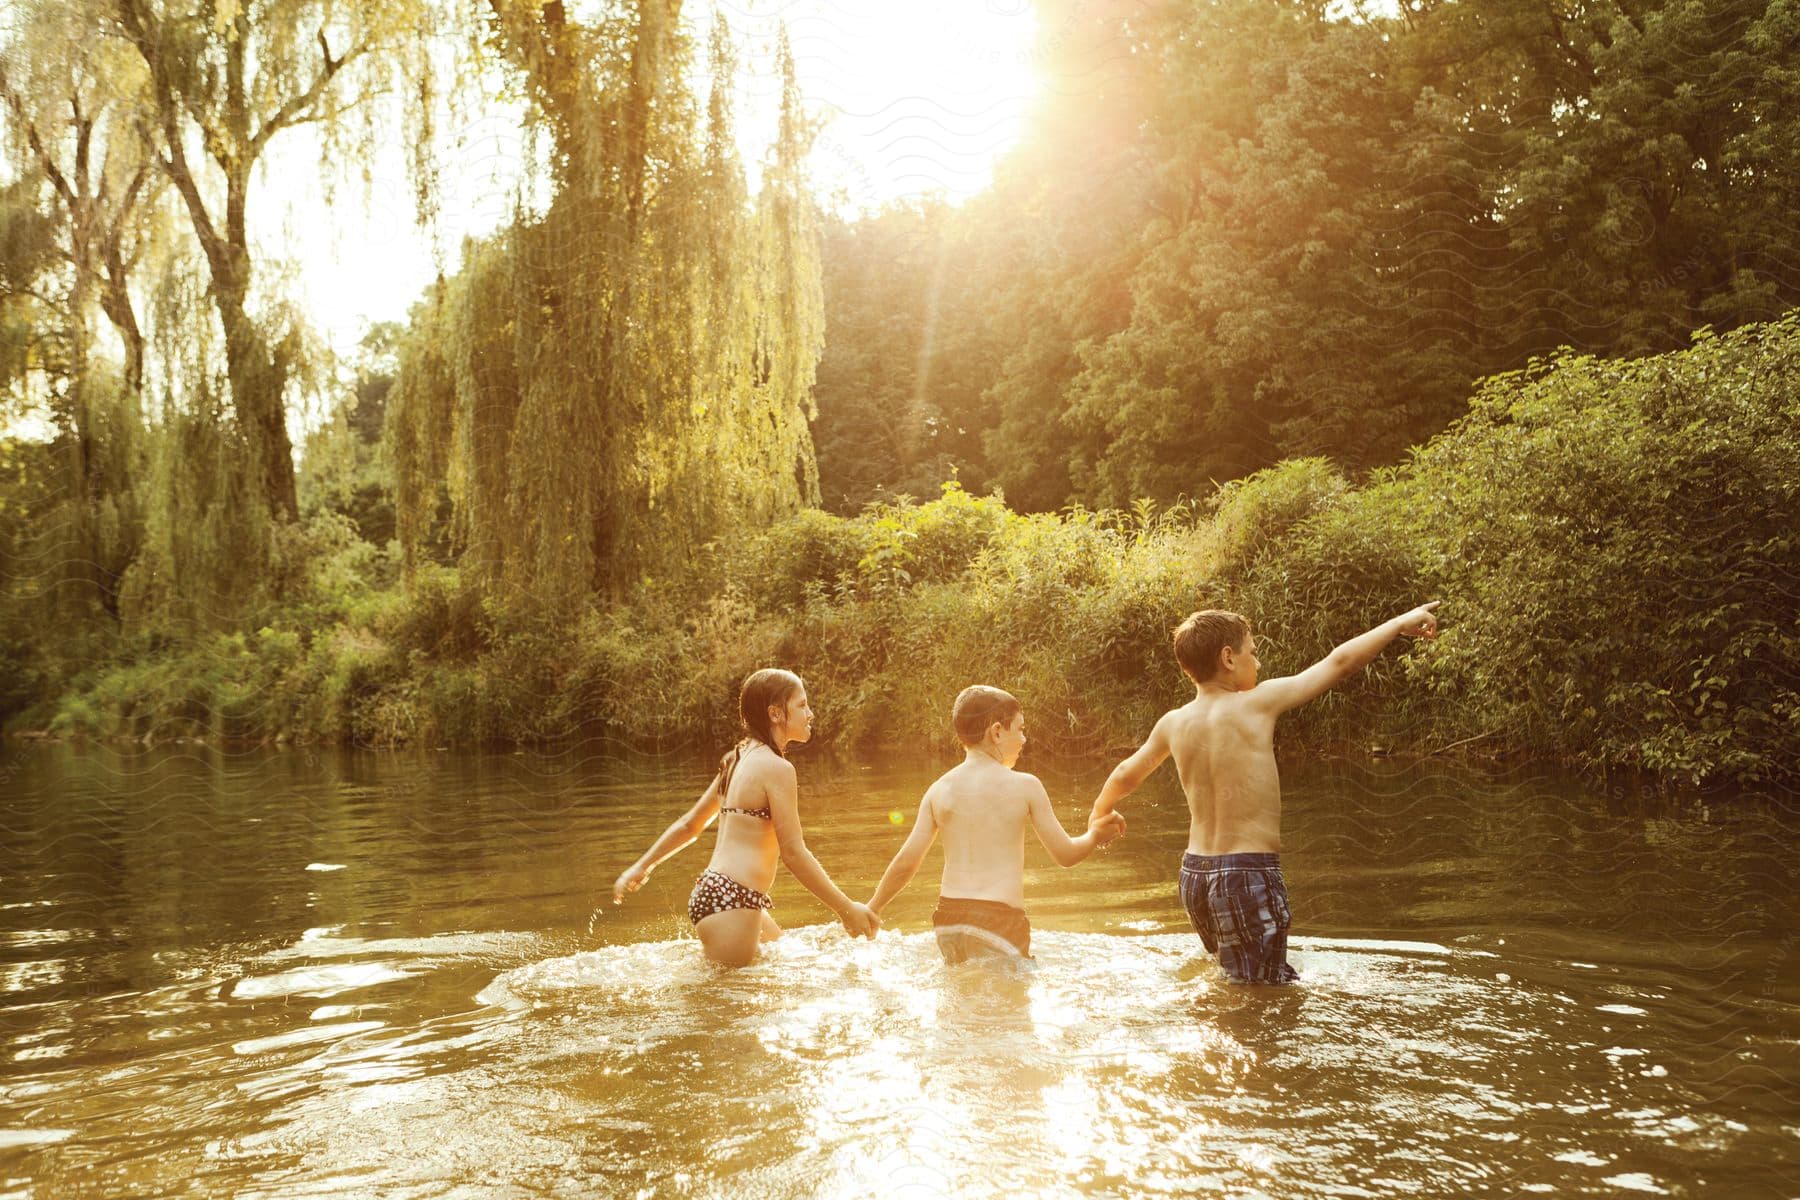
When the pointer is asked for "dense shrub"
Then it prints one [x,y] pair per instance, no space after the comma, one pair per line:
[811,548]
[24,675]
[1618,543]
[1346,567]
[441,618]
[928,543]
[1254,514]
[1613,543]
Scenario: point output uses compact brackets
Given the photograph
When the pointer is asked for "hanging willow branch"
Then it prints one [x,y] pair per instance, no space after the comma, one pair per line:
[606,386]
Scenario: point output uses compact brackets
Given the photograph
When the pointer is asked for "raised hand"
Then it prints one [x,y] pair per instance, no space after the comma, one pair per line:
[630,881]
[1420,622]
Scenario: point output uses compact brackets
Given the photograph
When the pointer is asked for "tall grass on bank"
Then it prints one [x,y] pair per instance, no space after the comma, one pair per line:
[1613,541]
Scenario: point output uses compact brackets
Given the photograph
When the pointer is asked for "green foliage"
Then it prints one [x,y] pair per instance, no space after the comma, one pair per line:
[1072,610]
[604,388]
[1575,500]
[1618,538]
[1244,232]
[24,675]
[341,468]
[27,251]
[909,345]
[1255,514]
[810,548]
[1610,538]
[328,574]
[208,542]
[927,543]
[440,619]
[1248,242]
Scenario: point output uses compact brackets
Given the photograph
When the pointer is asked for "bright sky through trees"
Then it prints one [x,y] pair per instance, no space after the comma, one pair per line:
[914,98]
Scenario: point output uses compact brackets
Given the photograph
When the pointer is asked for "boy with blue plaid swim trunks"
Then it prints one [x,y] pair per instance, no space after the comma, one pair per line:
[1239,906]
[1223,743]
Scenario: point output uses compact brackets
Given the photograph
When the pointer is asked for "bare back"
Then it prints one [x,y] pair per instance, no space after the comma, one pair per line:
[1223,740]
[748,849]
[981,810]
[1223,744]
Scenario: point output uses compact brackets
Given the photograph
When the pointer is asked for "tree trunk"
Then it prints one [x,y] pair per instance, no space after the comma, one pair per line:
[257,371]
[81,590]
[258,381]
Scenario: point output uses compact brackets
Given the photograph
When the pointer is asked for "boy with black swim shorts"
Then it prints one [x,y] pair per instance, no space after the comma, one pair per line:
[981,806]
[1223,742]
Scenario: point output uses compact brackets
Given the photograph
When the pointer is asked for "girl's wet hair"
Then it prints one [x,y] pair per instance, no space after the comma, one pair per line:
[769,686]
[979,706]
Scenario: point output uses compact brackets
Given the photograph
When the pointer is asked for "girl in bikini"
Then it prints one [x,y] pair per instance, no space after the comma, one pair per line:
[755,793]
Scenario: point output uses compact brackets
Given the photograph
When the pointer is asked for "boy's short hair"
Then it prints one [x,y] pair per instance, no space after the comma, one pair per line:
[1199,639]
[979,706]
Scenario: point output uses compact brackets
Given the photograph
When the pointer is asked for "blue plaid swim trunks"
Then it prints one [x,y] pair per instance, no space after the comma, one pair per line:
[1239,905]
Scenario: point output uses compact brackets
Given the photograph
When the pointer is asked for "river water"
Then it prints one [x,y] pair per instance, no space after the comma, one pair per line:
[282,973]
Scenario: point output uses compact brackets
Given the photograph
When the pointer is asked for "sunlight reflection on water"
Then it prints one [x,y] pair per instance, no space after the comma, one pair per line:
[838,1068]
[1508,988]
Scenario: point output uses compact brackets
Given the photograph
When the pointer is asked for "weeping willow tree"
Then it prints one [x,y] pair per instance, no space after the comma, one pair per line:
[609,383]
[72,138]
[142,124]
[223,79]
[146,123]
[210,539]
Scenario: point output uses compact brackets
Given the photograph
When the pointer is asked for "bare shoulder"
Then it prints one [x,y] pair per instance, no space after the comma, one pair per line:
[944,792]
[768,770]
[1267,696]
[1027,786]
[1174,725]
[1196,724]
[936,791]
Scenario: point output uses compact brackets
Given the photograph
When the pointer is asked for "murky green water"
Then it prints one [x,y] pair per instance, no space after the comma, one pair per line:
[291,974]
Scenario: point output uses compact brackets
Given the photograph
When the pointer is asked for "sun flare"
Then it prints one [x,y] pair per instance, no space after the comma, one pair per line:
[915,99]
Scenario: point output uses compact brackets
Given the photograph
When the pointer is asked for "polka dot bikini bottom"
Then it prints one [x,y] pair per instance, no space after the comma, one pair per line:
[716,892]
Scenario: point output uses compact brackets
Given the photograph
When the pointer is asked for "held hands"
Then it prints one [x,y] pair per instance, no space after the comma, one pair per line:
[1420,622]
[630,881]
[860,921]
[1107,829]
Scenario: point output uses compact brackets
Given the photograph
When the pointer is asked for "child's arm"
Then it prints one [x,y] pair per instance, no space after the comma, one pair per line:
[686,828]
[906,862]
[1068,851]
[784,809]
[1277,696]
[1129,775]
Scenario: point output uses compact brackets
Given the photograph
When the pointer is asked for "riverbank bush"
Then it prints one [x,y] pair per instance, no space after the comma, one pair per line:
[1620,537]
[1613,543]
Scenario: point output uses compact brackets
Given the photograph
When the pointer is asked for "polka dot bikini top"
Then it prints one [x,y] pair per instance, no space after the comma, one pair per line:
[762,813]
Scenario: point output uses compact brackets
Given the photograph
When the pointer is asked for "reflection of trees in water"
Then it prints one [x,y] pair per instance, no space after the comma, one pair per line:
[1447,851]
